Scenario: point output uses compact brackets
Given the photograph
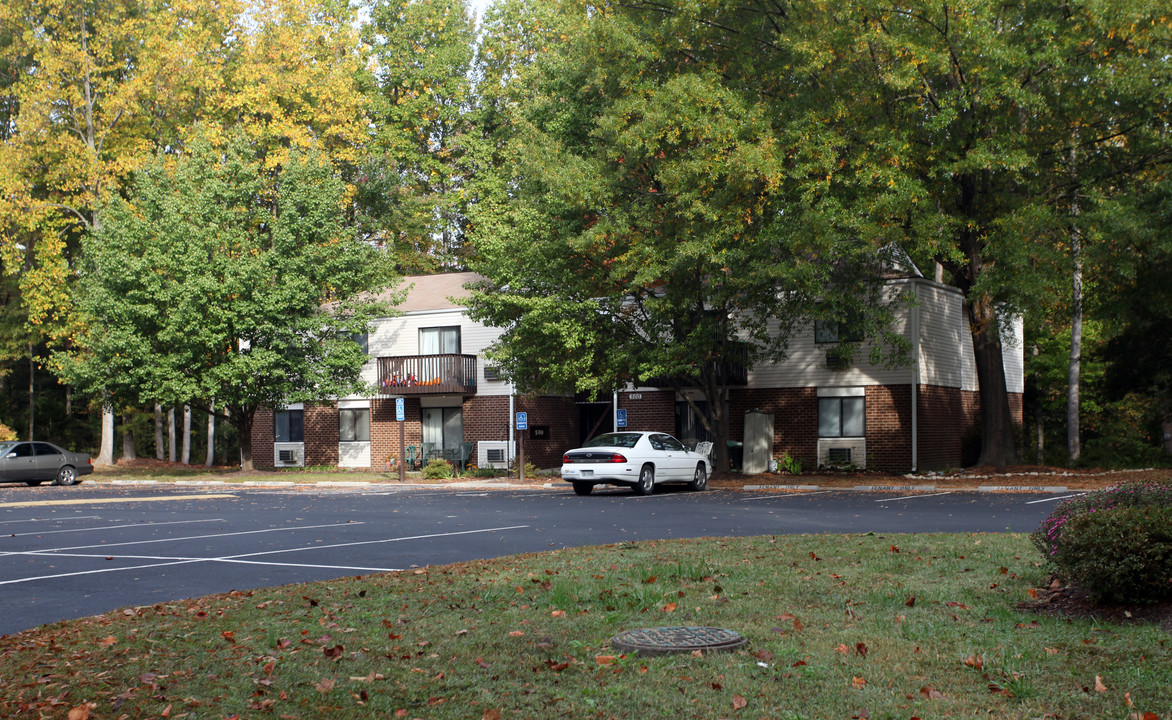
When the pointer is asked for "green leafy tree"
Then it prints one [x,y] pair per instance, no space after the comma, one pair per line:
[413,187]
[217,285]
[967,131]
[651,229]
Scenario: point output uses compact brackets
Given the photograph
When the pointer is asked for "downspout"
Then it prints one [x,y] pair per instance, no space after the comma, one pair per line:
[916,378]
[614,410]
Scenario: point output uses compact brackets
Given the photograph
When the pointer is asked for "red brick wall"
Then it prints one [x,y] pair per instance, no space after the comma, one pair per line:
[561,416]
[384,430]
[889,428]
[655,410]
[795,419]
[321,434]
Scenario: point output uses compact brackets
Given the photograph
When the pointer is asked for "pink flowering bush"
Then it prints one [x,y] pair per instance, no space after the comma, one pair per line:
[1116,544]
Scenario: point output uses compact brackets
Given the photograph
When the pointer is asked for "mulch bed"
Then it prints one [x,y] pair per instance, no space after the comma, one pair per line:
[1067,601]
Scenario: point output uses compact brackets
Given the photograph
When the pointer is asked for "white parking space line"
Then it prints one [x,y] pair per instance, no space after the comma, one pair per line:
[788,495]
[60,519]
[39,533]
[244,558]
[189,537]
[914,497]
[1054,499]
[108,500]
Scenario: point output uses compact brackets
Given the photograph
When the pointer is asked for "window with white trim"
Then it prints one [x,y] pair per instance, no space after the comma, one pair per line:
[289,425]
[354,425]
[841,417]
[439,341]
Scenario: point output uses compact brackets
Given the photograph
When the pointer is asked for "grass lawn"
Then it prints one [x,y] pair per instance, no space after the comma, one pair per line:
[840,627]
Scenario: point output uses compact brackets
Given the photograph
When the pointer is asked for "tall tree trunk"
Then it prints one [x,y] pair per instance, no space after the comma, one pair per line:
[1073,442]
[160,449]
[186,457]
[210,458]
[998,448]
[32,393]
[106,451]
[1037,410]
[244,428]
[171,449]
[129,451]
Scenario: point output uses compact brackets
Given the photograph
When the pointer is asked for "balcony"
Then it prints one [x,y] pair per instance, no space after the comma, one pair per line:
[732,371]
[427,375]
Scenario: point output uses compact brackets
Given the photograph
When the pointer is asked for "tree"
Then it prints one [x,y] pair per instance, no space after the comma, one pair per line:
[228,286]
[651,229]
[92,90]
[952,125]
[413,189]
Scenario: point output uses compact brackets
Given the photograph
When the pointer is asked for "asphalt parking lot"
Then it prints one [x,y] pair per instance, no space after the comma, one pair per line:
[73,552]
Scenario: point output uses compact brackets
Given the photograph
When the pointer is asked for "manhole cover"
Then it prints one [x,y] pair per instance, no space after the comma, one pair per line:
[663,640]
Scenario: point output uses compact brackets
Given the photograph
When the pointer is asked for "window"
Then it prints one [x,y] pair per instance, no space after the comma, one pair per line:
[354,425]
[363,341]
[289,425]
[439,341]
[841,417]
[833,331]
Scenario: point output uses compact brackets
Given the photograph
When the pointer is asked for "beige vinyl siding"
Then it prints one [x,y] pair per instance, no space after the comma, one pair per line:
[400,336]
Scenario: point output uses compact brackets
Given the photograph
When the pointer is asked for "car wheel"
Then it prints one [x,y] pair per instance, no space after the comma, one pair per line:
[582,488]
[646,481]
[67,475]
[700,479]
[33,483]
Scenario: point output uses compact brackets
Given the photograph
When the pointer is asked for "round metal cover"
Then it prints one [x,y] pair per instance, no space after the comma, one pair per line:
[663,640]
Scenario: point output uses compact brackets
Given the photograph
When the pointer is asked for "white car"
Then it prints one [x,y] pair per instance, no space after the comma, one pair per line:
[638,459]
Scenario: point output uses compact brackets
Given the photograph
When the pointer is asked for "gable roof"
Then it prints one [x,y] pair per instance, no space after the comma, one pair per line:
[435,292]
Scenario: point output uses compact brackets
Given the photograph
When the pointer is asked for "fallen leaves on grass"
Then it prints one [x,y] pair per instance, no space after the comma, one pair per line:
[739,702]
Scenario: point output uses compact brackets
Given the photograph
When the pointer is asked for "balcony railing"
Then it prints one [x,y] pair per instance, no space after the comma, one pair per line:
[732,371]
[427,375]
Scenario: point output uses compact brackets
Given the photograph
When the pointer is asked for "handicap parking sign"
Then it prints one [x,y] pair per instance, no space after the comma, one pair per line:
[400,411]
[522,421]
[621,418]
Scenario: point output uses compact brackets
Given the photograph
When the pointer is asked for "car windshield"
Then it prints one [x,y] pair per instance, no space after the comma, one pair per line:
[624,440]
[5,447]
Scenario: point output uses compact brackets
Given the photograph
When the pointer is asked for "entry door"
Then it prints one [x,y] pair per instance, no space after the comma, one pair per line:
[444,428]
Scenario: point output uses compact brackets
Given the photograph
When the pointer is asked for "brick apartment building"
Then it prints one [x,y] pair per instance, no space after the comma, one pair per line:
[921,416]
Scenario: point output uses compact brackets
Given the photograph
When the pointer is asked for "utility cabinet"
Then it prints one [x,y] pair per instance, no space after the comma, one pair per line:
[758,442]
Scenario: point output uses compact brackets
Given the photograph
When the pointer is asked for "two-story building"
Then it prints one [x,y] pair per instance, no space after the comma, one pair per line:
[813,407]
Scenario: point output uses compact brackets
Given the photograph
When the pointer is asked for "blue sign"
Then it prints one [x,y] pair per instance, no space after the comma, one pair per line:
[522,421]
[400,410]
[620,418]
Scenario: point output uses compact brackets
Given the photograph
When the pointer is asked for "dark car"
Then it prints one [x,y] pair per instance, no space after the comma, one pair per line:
[35,462]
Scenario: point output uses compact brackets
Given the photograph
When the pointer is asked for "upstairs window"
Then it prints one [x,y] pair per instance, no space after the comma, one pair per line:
[363,341]
[833,331]
[439,341]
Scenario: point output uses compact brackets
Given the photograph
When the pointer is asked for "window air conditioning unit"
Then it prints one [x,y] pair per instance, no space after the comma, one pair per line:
[491,373]
[494,453]
[839,456]
[842,452]
[289,457]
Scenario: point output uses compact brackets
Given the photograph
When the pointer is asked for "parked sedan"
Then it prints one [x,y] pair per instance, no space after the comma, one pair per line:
[36,462]
[638,459]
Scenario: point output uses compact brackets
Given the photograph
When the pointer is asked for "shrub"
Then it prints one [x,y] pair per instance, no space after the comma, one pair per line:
[1116,544]
[791,464]
[438,469]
